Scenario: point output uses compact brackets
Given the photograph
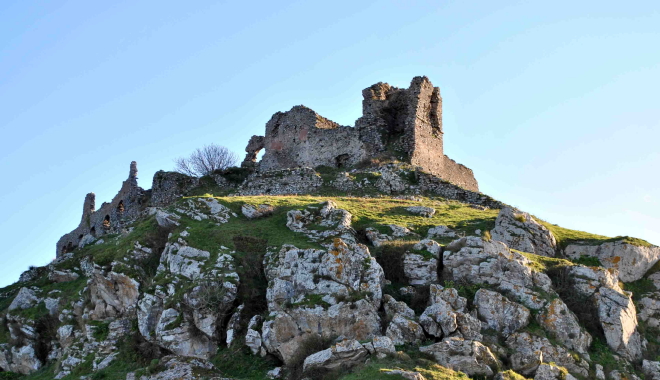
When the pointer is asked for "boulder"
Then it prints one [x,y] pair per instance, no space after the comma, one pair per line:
[500,314]
[563,326]
[383,346]
[529,351]
[441,232]
[474,260]
[345,354]
[257,211]
[183,260]
[376,237]
[21,360]
[651,369]
[25,299]
[649,309]
[616,311]
[551,372]
[520,231]
[631,261]
[420,269]
[467,356]
[393,307]
[283,335]
[404,331]
[408,375]
[112,295]
[253,337]
[176,334]
[62,276]
[234,325]
[426,212]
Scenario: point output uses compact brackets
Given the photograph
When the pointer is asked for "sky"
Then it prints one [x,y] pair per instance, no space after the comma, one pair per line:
[554,105]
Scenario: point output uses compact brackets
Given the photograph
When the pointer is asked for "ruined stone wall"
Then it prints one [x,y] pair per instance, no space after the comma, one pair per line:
[109,218]
[397,124]
[459,175]
[169,186]
[302,138]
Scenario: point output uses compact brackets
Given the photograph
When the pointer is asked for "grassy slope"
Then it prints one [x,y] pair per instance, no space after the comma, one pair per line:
[367,212]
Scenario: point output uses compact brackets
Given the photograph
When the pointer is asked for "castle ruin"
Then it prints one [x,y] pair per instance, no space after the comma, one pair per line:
[398,124]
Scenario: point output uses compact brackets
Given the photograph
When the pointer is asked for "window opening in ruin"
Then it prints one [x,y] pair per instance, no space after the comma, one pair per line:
[92,231]
[120,207]
[69,247]
[63,249]
[341,161]
[106,222]
[80,237]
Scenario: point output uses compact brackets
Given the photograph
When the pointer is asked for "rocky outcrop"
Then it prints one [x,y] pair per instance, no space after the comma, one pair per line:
[256,211]
[500,314]
[402,330]
[474,260]
[112,295]
[421,264]
[345,354]
[447,317]
[467,356]
[21,360]
[563,326]
[26,298]
[616,310]
[520,231]
[552,372]
[651,369]
[529,351]
[631,261]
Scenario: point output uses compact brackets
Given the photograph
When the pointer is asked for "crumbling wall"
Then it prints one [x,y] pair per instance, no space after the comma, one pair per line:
[396,124]
[303,138]
[169,186]
[110,217]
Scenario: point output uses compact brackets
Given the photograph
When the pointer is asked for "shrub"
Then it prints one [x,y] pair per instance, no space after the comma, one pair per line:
[206,160]
[253,285]
[234,174]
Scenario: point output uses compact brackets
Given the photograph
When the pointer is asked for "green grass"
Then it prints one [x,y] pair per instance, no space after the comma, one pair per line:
[640,287]
[101,330]
[544,263]
[375,370]
[238,362]
[565,237]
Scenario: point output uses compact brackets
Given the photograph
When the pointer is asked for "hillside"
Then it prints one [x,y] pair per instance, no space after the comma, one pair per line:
[378,270]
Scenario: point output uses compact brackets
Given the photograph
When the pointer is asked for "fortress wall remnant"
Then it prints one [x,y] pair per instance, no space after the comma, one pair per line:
[110,217]
[303,138]
[398,124]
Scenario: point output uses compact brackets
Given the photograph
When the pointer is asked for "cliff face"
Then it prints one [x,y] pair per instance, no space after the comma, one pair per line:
[410,273]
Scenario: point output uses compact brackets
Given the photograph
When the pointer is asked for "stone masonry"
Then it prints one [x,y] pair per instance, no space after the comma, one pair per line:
[400,124]
[124,207]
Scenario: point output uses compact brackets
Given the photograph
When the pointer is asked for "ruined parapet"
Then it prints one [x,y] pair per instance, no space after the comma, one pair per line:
[110,217]
[302,138]
[397,124]
[169,186]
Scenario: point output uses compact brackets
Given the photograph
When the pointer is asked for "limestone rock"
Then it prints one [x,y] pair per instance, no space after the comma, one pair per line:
[631,261]
[408,375]
[165,219]
[551,372]
[393,307]
[467,356]
[176,334]
[112,295]
[477,261]
[344,354]
[62,276]
[403,331]
[253,336]
[618,375]
[520,231]
[400,231]
[651,369]
[283,335]
[499,313]
[563,325]
[383,346]
[233,325]
[439,319]
[21,360]
[419,269]
[180,368]
[530,350]
[183,260]
[256,211]
[426,212]
[375,237]
[616,312]
[25,299]
[441,232]
[649,309]
[438,293]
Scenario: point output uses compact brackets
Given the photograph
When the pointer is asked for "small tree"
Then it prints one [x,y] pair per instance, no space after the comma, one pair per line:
[206,160]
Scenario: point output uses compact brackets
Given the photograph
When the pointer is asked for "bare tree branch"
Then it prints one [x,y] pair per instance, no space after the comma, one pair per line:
[206,160]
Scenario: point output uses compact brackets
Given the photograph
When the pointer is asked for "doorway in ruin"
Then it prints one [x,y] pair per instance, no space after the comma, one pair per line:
[92,231]
[106,222]
[120,207]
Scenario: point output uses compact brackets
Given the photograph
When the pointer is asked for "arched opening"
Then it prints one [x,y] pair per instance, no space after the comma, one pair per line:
[69,247]
[63,249]
[92,231]
[80,237]
[106,222]
[120,207]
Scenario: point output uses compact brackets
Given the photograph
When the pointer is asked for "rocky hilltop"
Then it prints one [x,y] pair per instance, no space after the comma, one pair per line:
[376,262]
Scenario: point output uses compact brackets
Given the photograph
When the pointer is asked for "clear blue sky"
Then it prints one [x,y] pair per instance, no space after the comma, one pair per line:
[554,105]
